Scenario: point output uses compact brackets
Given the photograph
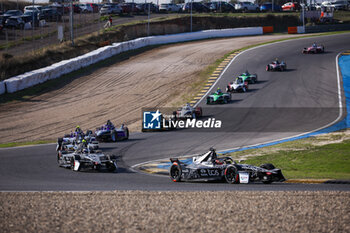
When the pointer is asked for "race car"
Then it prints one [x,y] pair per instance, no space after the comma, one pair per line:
[219,97]
[208,167]
[237,86]
[188,111]
[276,66]
[70,141]
[250,78]
[83,159]
[109,132]
[314,49]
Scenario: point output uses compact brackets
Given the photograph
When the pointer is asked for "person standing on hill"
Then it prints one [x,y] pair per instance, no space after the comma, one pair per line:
[110,21]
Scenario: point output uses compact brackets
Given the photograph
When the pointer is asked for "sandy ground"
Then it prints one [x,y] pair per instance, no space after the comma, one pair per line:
[116,92]
[175,212]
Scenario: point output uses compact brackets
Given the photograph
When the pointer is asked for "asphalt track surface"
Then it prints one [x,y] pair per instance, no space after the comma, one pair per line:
[309,83]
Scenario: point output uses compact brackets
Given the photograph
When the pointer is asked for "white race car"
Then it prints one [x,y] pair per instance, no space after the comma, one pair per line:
[237,86]
[188,111]
[71,141]
[86,159]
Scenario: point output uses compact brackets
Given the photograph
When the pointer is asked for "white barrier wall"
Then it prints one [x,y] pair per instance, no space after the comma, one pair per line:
[56,70]
[2,87]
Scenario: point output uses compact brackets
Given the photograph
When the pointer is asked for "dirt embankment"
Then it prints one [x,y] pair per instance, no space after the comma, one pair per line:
[11,66]
[116,90]
[138,211]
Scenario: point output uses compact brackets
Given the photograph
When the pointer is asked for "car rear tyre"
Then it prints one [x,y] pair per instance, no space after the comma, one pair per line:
[175,172]
[268,166]
[231,175]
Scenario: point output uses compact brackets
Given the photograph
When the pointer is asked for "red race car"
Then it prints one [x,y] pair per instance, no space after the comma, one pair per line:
[314,49]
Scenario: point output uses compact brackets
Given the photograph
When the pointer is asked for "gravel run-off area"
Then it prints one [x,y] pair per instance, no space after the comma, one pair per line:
[126,211]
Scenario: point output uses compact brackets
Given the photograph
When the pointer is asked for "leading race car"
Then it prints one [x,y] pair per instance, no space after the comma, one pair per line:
[188,112]
[276,66]
[208,167]
[248,77]
[238,86]
[109,132]
[219,97]
[314,49]
[85,158]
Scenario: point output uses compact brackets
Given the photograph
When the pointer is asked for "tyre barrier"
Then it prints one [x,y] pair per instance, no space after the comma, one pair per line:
[56,70]
[268,29]
[296,30]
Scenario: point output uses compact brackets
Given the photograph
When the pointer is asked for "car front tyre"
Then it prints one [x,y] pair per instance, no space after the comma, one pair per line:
[175,172]
[231,175]
[111,167]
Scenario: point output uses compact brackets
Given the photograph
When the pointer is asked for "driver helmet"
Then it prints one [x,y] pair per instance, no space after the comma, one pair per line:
[213,153]
[84,142]
[77,129]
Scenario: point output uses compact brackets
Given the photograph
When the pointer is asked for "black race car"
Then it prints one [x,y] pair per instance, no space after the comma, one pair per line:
[208,167]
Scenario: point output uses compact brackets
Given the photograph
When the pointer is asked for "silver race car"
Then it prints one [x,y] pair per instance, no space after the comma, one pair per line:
[276,66]
[71,141]
[85,158]
[237,86]
[188,111]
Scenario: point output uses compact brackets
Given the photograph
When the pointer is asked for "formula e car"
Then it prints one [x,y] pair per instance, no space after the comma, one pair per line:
[188,111]
[219,97]
[237,86]
[208,167]
[314,49]
[110,133]
[276,66]
[86,159]
[250,78]
[71,141]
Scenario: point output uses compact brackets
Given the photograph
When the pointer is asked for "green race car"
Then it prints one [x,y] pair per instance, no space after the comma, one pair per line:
[250,78]
[219,97]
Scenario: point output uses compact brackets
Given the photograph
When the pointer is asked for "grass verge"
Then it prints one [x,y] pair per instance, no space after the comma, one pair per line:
[17,144]
[322,157]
